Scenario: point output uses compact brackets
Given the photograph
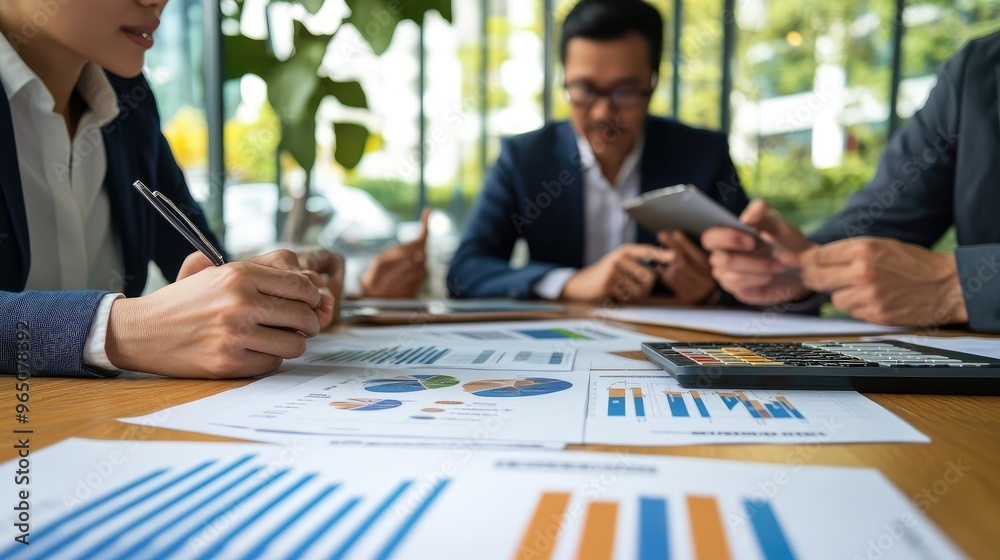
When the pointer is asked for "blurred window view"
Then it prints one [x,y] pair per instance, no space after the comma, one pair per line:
[808,107]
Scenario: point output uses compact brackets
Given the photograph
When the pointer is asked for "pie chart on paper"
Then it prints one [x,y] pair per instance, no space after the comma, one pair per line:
[410,383]
[365,404]
[526,387]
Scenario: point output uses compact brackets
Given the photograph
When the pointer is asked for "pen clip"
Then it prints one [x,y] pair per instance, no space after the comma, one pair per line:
[181,223]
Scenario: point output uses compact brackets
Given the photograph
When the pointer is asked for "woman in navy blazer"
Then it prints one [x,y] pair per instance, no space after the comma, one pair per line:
[240,319]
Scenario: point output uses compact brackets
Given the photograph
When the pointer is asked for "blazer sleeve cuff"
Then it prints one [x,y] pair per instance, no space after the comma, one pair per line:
[551,285]
[49,331]
[95,349]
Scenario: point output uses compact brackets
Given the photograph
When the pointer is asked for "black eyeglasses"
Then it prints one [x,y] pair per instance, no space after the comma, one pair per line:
[623,97]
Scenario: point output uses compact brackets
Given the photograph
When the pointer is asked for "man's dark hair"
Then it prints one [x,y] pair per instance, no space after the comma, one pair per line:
[613,19]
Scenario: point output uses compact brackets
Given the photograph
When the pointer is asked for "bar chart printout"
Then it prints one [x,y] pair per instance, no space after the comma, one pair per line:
[341,353]
[618,397]
[778,407]
[632,407]
[397,503]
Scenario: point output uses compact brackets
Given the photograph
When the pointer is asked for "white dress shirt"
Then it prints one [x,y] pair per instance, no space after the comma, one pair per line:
[606,225]
[72,242]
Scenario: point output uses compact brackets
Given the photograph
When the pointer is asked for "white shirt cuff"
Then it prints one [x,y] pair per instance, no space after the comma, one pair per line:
[94,352]
[551,285]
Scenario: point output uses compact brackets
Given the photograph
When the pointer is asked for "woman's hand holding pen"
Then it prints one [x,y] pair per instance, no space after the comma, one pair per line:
[323,268]
[237,320]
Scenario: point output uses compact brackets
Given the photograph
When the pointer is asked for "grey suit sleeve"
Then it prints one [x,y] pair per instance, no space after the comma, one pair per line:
[979,274]
[911,196]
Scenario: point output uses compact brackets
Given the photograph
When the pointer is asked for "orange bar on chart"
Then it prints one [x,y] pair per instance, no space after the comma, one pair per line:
[637,392]
[542,535]
[616,392]
[756,405]
[598,541]
[760,409]
[706,529]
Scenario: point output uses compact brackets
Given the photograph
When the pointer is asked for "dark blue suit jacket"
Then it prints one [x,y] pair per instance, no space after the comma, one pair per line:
[943,169]
[54,325]
[535,191]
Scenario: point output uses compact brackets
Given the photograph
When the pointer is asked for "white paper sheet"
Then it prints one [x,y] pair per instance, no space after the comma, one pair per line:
[651,408]
[745,323]
[124,500]
[578,334]
[478,407]
[331,350]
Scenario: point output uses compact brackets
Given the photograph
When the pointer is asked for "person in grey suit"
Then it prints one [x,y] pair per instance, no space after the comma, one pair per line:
[872,258]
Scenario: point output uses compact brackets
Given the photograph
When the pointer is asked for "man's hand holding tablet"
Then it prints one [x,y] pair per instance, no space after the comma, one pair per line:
[755,276]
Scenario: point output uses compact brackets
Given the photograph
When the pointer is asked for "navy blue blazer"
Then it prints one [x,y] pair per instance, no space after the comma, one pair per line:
[54,325]
[941,170]
[535,192]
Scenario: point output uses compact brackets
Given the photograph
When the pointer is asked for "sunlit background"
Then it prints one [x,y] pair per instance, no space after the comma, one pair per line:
[809,85]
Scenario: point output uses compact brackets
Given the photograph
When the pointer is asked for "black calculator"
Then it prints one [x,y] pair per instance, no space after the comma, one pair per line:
[885,366]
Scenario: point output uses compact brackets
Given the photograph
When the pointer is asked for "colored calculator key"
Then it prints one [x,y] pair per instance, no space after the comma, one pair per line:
[882,366]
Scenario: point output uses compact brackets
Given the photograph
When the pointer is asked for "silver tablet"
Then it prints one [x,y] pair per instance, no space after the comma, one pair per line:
[682,207]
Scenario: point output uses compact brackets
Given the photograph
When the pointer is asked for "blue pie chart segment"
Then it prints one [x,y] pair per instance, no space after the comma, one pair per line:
[525,387]
[410,383]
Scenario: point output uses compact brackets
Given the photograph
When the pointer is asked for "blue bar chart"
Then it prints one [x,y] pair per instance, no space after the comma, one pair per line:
[633,400]
[165,513]
[777,407]
[641,407]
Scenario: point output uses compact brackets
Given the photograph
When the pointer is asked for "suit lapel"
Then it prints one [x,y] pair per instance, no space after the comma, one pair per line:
[656,170]
[15,252]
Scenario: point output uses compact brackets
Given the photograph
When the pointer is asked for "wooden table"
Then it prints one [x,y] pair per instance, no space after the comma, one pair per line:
[957,475]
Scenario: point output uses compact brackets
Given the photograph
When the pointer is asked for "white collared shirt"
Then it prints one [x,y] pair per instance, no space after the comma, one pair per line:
[73,245]
[606,225]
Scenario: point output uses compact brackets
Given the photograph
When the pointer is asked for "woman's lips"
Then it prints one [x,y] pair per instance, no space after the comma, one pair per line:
[142,35]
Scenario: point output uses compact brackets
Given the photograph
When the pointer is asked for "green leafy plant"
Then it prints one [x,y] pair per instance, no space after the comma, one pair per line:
[295,87]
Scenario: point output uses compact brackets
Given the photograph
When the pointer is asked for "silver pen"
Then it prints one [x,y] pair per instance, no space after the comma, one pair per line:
[181,223]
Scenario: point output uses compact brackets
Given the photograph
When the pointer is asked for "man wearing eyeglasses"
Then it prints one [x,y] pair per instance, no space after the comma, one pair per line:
[562,188]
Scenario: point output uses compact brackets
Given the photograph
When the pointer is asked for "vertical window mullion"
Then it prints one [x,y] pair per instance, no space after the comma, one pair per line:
[897,65]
